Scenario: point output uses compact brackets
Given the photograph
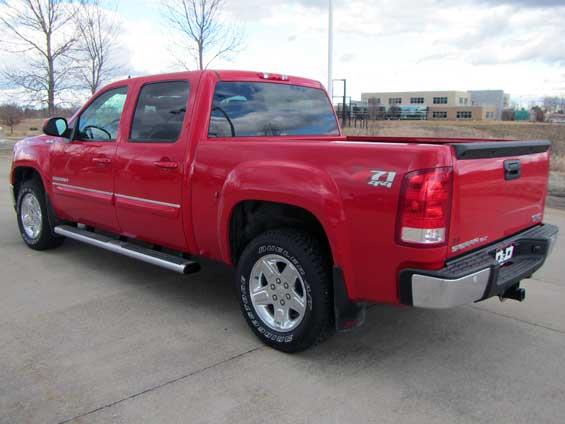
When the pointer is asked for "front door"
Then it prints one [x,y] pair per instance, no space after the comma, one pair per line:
[150,165]
[83,168]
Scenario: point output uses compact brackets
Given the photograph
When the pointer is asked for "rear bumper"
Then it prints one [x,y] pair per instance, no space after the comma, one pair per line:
[477,276]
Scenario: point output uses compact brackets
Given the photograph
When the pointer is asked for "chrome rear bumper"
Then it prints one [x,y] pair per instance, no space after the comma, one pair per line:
[477,276]
[441,293]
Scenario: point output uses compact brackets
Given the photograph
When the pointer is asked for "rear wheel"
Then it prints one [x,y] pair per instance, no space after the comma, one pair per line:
[284,286]
[33,218]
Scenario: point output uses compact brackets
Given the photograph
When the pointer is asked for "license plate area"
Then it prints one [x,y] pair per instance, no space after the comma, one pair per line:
[504,254]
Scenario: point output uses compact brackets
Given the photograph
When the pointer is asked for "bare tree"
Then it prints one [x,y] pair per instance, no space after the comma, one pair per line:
[203,30]
[98,29]
[43,31]
[11,115]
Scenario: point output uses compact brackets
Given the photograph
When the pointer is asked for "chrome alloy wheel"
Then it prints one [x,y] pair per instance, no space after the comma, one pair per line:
[31,216]
[277,293]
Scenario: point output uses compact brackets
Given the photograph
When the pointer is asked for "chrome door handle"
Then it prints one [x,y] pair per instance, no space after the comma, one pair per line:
[165,164]
[103,161]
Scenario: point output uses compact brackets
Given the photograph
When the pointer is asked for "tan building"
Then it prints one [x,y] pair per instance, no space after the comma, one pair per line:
[462,113]
[419,98]
[447,105]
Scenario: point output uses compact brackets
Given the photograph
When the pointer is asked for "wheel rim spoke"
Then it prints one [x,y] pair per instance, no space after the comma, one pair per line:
[297,304]
[269,271]
[289,274]
[261,297]
[280,316]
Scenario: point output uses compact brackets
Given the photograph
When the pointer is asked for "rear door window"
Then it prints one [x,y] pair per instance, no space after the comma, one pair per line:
[268,109]
[160,111]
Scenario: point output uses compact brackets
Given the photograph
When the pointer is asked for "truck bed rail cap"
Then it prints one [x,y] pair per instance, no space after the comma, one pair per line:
[498,149]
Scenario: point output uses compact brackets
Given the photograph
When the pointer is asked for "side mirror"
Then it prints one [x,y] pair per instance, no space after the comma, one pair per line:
[57,127]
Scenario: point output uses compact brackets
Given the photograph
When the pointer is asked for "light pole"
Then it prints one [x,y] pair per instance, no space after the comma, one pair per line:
[330,48]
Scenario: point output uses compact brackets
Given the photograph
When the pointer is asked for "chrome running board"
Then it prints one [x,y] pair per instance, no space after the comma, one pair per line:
[164,260]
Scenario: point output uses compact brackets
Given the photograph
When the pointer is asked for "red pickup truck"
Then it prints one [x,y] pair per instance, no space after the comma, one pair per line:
[251,169]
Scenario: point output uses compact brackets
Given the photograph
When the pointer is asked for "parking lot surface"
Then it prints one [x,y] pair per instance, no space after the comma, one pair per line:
[87,336]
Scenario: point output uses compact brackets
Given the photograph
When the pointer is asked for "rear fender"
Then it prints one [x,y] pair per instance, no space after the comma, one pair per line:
[294,184]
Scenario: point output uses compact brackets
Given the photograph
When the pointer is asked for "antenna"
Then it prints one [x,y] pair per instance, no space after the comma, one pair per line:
[330,48]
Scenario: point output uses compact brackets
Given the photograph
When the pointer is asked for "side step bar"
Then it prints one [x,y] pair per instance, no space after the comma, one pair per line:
[164,260]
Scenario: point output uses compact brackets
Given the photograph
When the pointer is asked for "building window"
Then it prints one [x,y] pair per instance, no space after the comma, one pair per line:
[490,115]
[463,100]
[464,115]
[439,115]
[417,100]
[395,100]
[374,101]
[440,100]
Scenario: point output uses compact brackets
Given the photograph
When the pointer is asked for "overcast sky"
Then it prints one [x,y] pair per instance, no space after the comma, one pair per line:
[381,45]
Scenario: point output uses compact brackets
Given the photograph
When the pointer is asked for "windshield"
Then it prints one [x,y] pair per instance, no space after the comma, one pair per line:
[268,109]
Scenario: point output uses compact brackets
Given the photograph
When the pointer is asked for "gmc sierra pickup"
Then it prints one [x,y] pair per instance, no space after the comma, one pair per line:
[251,169]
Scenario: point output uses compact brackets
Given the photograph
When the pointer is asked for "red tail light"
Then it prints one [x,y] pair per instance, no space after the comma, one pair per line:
[425,206]
[274,77]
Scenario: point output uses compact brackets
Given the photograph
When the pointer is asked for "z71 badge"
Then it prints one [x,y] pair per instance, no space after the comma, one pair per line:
[382,178]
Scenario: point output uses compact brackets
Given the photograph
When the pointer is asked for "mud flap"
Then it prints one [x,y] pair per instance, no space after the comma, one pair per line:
[348,315]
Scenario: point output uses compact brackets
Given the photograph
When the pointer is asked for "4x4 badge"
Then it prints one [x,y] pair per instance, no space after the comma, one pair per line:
[382,178]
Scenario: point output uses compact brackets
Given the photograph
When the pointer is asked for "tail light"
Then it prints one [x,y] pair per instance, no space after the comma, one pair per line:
[424,208]
[273,77]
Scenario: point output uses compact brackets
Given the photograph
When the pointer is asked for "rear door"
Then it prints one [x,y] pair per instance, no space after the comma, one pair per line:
[499,190]
[150,165]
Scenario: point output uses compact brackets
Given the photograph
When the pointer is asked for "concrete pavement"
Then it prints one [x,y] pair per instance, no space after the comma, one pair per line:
[87,336]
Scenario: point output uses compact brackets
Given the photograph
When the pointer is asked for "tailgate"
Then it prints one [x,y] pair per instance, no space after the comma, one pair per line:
[499,189]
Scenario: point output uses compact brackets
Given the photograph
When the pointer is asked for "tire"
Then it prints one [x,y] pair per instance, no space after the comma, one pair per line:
[290,268]
[33,217]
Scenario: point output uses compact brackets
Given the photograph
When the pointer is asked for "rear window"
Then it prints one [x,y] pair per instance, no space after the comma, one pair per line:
[268,109]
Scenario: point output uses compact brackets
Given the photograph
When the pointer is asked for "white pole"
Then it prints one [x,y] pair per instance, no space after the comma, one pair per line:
[330,49]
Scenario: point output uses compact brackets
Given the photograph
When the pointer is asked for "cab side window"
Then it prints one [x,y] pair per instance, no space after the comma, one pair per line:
[101,120]
[160,112]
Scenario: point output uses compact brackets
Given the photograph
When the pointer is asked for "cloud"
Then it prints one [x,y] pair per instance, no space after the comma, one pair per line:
[527,3]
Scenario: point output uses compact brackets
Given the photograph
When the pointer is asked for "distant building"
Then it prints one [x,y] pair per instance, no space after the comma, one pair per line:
[462,113]
[419,98]
[556,118]
[492,98]
[440,105]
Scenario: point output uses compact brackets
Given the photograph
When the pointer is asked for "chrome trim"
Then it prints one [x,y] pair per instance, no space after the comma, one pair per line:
[90,190]
[439,293]
[123,196]
[154,202]
[116,247]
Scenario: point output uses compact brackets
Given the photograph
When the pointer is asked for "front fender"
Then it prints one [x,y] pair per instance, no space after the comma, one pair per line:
[294,184]
[32,153]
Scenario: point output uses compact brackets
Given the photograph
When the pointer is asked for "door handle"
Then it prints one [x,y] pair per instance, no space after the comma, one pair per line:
[165,164]
[102,161]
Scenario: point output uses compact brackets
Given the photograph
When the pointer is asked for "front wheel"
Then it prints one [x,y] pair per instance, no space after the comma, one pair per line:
[284,283]
[33,220]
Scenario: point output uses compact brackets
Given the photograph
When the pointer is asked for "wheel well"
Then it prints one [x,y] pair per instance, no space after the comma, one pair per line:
[253,217]
[22,174]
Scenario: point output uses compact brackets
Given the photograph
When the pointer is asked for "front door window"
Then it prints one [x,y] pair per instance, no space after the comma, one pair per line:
[101,120]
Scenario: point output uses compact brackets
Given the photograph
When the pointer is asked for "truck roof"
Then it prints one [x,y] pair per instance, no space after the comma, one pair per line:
[231,75]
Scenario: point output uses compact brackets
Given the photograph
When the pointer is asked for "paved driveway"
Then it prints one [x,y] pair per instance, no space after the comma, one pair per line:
[90,337]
